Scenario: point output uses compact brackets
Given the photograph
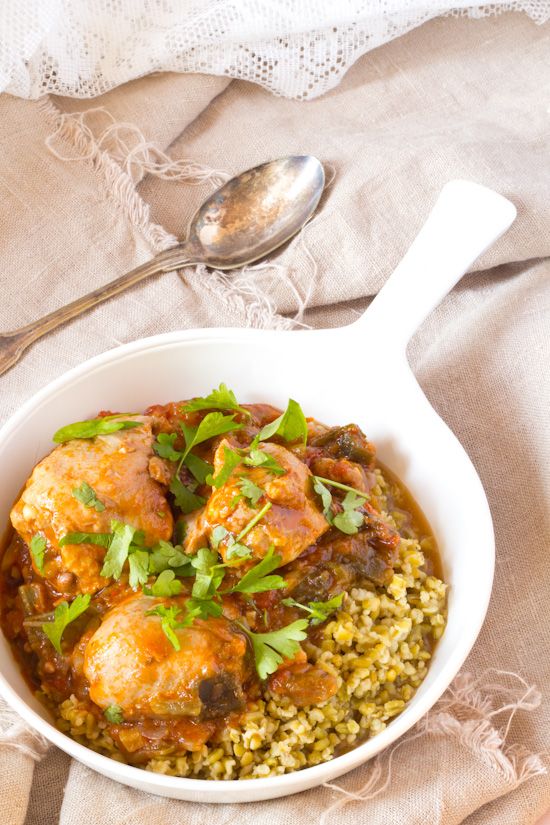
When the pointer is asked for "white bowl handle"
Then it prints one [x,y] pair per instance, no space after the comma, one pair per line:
[465,220]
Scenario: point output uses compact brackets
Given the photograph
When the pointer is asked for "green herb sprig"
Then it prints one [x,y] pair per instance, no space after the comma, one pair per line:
[87,496]
[319,611]
[64,614]
[93,427]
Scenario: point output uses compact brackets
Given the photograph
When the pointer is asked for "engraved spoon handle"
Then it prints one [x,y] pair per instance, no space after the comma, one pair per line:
[13,344]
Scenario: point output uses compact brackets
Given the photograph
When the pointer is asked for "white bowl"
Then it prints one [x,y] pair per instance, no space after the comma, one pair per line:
[358,373]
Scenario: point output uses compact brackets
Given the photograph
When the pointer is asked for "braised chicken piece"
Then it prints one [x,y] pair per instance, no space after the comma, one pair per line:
[116,466]
[292,523]
[131,663]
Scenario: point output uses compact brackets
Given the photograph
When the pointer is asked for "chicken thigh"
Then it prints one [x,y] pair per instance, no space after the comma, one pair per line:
[116,467]
[293,521]
[130,662]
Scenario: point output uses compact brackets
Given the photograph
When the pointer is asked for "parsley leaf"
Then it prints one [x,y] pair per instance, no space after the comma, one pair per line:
[87,496]
[117,553]
[164,446]
[258,458]
[253,522]
[64,614]
[113,714]
[138,563]
[89,429]
[217,535]
[220,399]
[38,548]
[231,459]
[169,621]
[250,490]
[203,608]
[271,648]
[209,574]
[186,499]
[164,556]
[200,469]
[165,585]
[256,579]
[319,611]
[341,486]
[291,425]
[326,498]
[349,521]
[101,539]
[213,424]
[233,549]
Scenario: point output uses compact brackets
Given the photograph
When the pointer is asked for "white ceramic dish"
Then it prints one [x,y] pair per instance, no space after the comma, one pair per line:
[320,369]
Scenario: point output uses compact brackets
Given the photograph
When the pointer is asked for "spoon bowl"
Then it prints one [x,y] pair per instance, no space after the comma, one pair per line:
[256,212]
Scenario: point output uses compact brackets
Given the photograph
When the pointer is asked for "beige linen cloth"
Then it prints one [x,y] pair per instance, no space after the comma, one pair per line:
[455,98]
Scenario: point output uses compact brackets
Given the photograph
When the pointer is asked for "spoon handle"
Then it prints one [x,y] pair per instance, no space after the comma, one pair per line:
[13,344]
[465,220]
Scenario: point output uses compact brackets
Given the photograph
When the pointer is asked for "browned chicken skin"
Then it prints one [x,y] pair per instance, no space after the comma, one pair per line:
[293,522]
[116,466]
[129,662]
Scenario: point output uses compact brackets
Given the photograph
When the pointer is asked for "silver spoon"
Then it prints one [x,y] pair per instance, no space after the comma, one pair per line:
[246,219]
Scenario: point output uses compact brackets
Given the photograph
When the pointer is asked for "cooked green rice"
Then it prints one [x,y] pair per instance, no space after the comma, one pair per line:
[378,646]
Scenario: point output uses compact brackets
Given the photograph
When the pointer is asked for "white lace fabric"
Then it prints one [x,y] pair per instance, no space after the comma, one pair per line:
[295,48]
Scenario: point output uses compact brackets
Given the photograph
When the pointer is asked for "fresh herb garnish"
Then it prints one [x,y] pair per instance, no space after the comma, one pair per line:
[231,459]
[113,714]
[64,614]
[89,429]
[213,424]
[185,498]
[38,548]
[271,648]
[259,458]
[250,490]
[350,520]
[291,425]
[257,580]
[166,585]
[138,563]
[326,498]
[165,556]
[164,446]
[319,611]
[204,608]
[253,521]
[209,573]
[119,547]
[341,486]
[169,621]
[220,399]
[87,496]
[101,539]
[199,468]
[232,548]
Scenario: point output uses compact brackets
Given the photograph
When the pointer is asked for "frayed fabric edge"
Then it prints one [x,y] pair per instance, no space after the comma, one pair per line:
[122,156]
[466,713]
[16,735]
